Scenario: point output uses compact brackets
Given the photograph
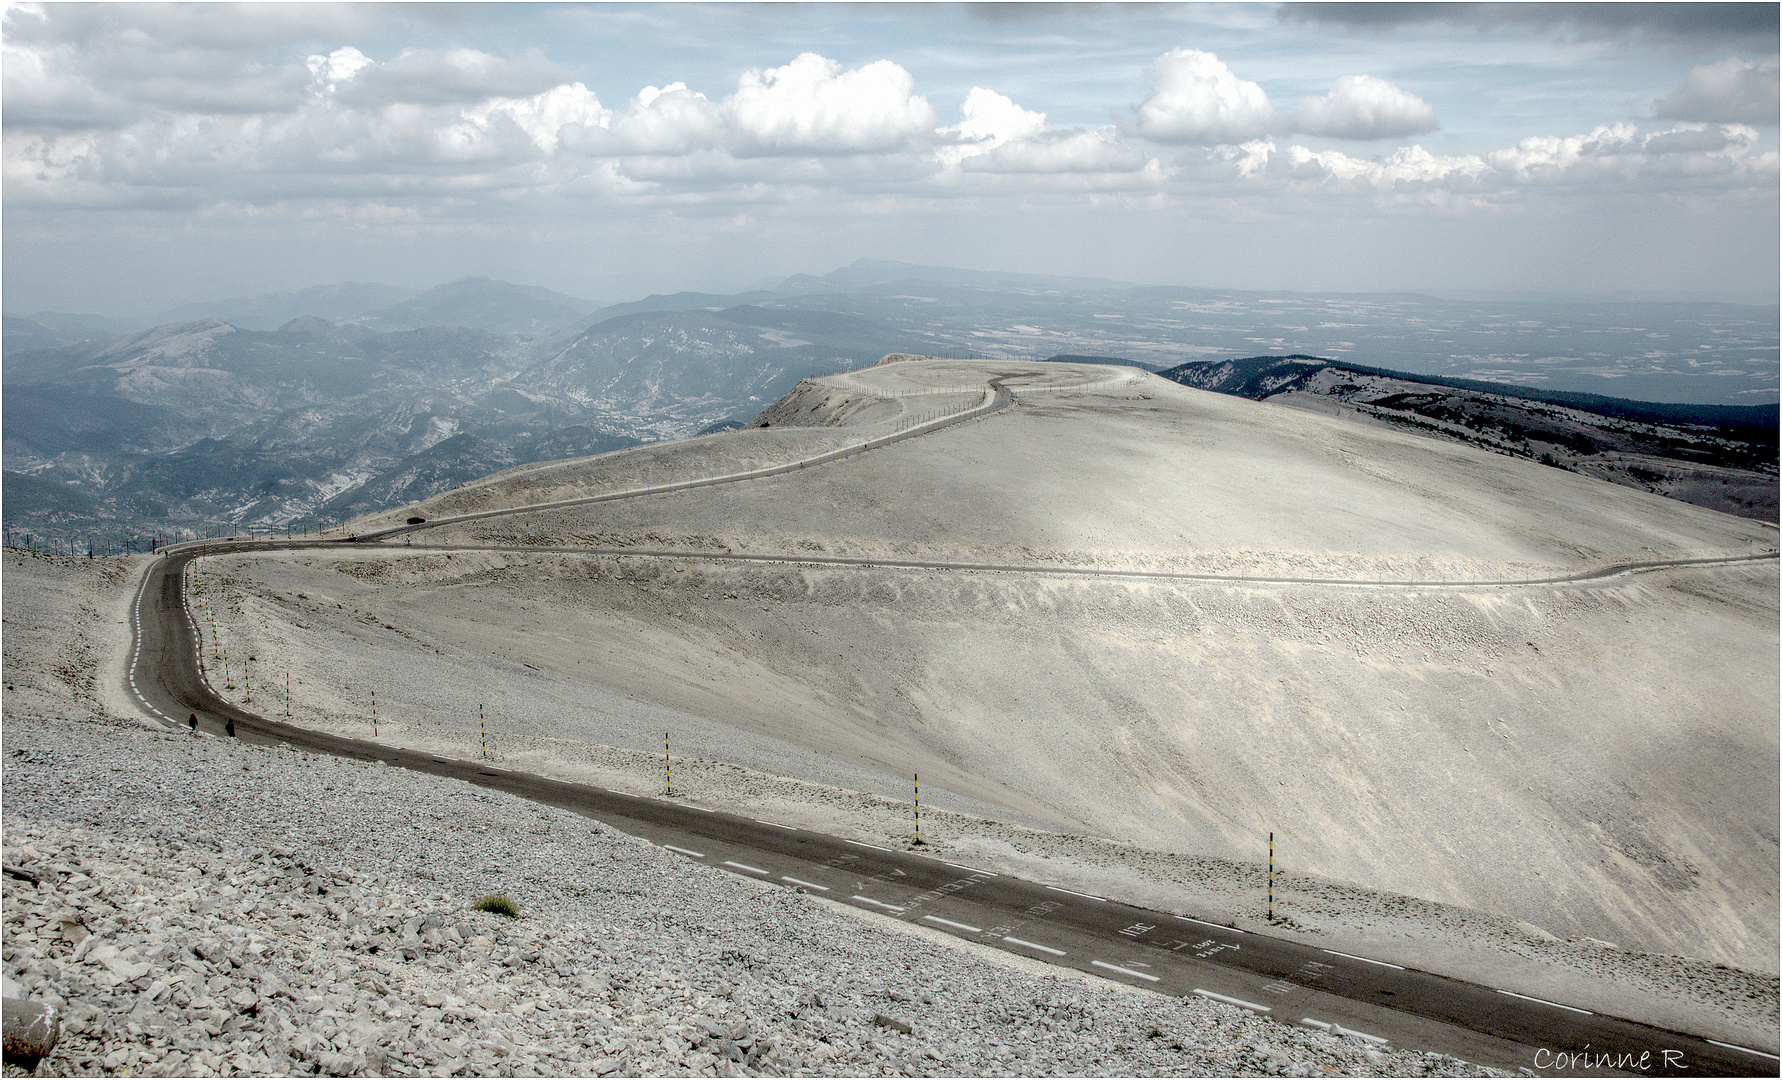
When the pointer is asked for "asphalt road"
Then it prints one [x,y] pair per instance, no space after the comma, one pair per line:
[1283,980]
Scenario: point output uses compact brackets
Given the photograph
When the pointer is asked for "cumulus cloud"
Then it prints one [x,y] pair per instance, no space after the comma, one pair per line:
[328,72]
[1363,107]
[1196,99]
[1731,91]
[812,105]
[1100,150]
[1612,154]
[434,77]
[989,119]
[995,135]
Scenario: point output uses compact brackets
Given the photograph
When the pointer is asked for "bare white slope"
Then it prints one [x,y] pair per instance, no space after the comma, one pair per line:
[1597,759]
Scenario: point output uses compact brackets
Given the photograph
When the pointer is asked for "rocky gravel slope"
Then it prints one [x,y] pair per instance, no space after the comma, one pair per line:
[206,907]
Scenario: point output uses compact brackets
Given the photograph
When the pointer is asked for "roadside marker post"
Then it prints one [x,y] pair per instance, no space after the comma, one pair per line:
[374,714]
[667,772]
[484,728]
[916,779]
[287,695]
[1271,877]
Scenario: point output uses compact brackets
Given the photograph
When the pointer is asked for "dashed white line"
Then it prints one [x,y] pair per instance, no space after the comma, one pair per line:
[1239,1002]
[1365,960]
[1214,925]
[877,903]
[875,847]
[775,824]
[746,866]
[973,869]
[684,851]
[1746,1049]
[1074,892]
[955,925]
[1125,971]
[1034,945]
[806,884]
[702,809]
[1544,1001]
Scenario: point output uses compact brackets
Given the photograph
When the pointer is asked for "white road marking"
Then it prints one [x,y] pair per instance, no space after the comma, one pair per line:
[1746,1049]
[1125,971]
[954,925]
[696,806]
[973,869]
[877,903]
[1214,925]
[806,884]
[1365,960]
[775,824]
[1544,1001]
[745,866]
[684,851]
[1033,945]
[1239,1002]
[1074,892]
[875,847]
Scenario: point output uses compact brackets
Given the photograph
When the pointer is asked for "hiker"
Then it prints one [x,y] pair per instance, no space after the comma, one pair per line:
[229,727]
[192,722]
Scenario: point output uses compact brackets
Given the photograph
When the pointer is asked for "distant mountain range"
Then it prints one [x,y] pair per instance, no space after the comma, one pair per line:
[331,401]
[1720,456]
[497,306]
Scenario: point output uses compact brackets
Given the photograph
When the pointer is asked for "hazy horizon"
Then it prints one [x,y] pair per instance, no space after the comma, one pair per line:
[1508,296]
[158,155]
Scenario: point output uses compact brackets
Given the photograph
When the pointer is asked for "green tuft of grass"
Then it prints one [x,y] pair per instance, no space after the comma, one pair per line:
[497,904]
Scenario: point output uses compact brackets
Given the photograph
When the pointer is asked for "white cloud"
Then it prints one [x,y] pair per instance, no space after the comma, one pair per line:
[995,135]
[544,116]
[1730,91]
[1101,150]
[463,76]
[328,72]
[1405,166]
[1363,107]
[988,117]
[1610,157]
[812,105]
[1196,99]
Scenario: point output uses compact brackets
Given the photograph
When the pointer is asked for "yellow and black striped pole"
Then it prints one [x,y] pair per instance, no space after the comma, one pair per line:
[484,728]
[667,773]
[374,714]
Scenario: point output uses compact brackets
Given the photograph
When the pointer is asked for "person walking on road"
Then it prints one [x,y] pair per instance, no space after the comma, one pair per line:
[229,727]
[192,722]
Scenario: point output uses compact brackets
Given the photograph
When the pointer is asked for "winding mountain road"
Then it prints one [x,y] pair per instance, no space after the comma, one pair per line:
[1176,954]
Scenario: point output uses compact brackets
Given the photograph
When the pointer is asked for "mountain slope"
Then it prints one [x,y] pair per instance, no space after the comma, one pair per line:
[1595,759]
[1719,456]
[496,306]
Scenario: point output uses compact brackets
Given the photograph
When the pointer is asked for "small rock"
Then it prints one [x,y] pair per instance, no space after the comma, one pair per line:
[887,1022]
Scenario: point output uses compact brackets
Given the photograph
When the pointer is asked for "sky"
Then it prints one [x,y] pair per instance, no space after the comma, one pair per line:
[156,155]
